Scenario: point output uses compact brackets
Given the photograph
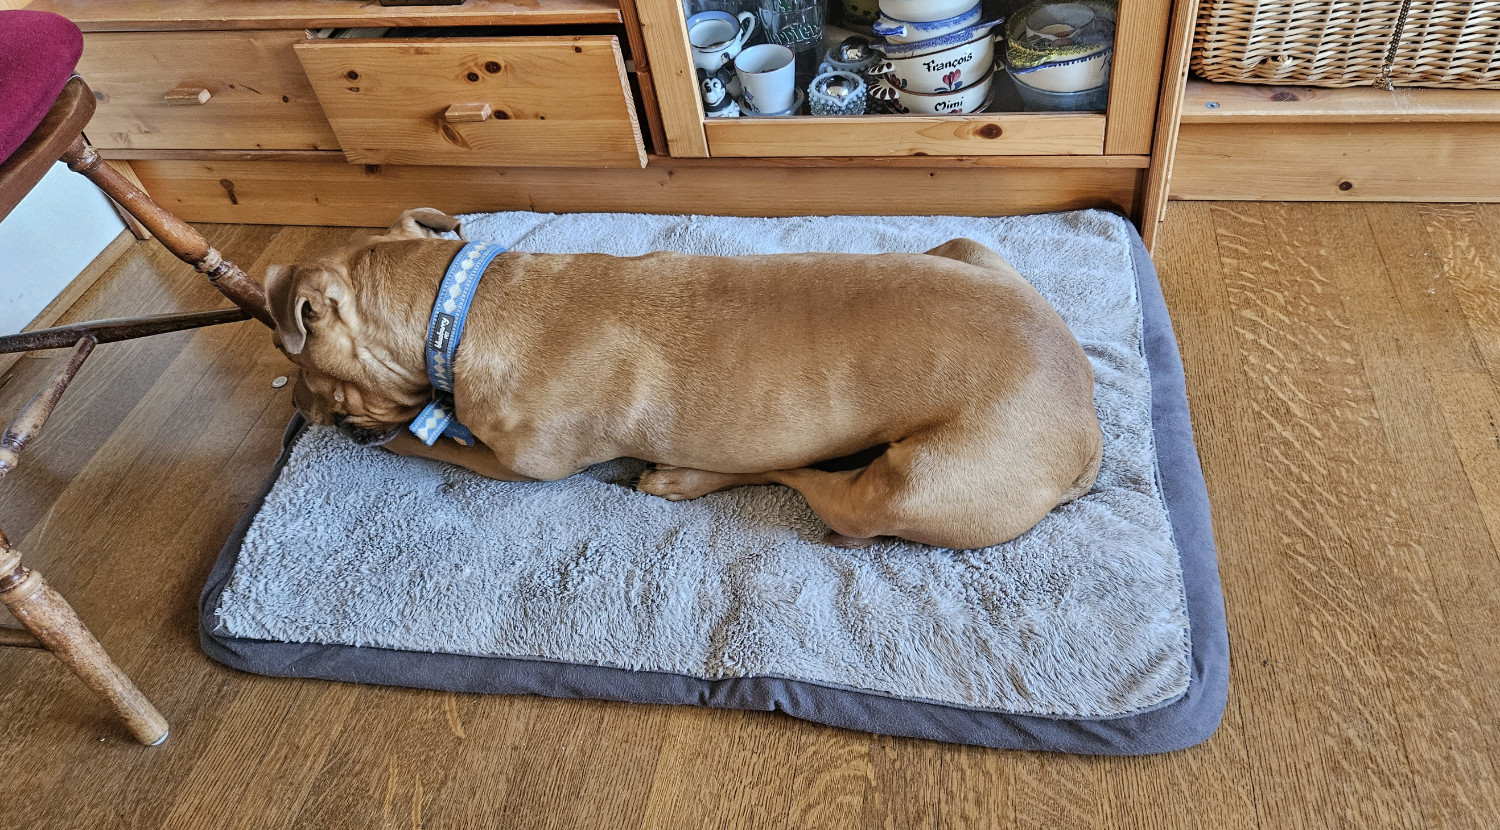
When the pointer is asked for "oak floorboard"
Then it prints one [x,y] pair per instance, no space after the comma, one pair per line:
[1169,791]
[833,775]
[721,770]
[1342,365]
[1331,487]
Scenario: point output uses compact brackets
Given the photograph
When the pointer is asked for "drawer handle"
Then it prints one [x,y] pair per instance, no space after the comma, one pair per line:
[462,113]
[188,95]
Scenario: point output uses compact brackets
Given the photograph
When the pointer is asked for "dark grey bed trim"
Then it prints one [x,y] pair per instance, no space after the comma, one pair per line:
[1189,720]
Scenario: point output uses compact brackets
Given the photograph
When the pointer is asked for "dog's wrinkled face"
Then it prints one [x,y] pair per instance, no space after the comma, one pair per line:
[345,378]
[366,416]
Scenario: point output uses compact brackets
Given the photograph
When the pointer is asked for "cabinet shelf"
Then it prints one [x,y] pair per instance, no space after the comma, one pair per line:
[992,134]
[1224,103]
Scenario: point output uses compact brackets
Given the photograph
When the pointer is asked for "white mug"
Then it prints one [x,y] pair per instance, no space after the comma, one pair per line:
[767,73]
[716,37]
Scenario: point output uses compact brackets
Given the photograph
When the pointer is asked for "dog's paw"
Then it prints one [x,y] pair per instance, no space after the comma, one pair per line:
[682,483]
[839,540]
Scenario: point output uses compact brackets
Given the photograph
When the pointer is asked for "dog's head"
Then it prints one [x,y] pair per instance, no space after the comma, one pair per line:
[350,375]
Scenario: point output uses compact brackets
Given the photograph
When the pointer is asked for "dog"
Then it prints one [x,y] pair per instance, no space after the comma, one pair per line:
[968,396]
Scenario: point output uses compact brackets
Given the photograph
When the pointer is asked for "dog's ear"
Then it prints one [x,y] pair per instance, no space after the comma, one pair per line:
[424,223]
[303,298]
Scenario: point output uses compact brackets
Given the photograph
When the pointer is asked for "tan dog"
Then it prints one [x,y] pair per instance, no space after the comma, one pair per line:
[724,371]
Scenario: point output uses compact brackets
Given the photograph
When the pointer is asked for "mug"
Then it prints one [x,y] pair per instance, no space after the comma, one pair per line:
[767,74]
[692,7]
[716,37]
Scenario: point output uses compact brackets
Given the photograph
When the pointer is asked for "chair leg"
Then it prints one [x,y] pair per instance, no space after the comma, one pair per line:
[56,625]
[111,331]
[178,237]
[28,423]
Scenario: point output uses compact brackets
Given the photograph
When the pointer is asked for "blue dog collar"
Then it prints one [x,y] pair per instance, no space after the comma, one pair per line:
[444,329]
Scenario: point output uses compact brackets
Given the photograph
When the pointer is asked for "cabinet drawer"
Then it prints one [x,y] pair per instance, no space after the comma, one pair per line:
[258,97]
[553,101]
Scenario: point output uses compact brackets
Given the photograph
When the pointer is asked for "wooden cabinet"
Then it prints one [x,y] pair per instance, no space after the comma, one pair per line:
[194,78]
[567,105]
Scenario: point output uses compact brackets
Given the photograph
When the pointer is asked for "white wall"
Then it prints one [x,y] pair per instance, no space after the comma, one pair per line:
[50,237]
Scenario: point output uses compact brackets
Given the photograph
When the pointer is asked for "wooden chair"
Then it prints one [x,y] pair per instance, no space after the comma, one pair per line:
[39,126]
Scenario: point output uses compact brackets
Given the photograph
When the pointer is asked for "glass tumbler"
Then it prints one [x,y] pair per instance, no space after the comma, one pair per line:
[797,25]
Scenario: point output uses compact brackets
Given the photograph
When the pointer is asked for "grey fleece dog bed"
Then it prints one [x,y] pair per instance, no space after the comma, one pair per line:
[1099,631]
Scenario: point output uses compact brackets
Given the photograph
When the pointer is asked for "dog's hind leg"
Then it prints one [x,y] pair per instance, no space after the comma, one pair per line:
[680,483]
[932,488]
[922,488]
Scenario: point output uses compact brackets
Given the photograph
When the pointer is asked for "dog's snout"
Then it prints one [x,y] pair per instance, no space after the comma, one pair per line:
[313,407]
[364,436]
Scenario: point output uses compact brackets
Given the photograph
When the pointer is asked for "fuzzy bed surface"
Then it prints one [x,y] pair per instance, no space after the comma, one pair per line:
[1085,618]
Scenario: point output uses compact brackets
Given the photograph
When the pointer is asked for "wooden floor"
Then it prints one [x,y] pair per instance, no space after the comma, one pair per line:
[1342,363]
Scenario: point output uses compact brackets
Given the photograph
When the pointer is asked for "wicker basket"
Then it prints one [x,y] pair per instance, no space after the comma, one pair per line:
[1384,43]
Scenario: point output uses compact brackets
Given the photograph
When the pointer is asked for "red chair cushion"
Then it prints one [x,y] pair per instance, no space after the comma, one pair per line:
[38,51]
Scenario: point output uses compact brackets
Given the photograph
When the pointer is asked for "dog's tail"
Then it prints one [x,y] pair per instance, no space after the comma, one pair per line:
[1085,481]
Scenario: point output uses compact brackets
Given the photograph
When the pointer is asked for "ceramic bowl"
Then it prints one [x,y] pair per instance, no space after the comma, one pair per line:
[906,31]
[1046,33]
[896,51]
[945,70]
[1056,22]
[1073,75]
[923,11]
[970,99]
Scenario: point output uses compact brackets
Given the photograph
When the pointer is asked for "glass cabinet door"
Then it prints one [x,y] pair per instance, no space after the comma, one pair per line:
[881,78]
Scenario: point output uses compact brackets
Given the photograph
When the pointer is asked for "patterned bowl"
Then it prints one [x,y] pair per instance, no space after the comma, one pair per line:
[969,99]
[906,31]
[923,11]
[895,51]
[945,70]
[1075,75]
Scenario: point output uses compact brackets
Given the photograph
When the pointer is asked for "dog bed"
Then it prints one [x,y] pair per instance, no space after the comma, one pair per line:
[1101,630]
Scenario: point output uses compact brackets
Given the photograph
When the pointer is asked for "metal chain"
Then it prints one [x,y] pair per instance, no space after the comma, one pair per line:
[1384,81]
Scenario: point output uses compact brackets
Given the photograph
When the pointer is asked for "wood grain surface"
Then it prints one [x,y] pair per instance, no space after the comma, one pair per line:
[1316,161]
[345,194]
[259,96]
[1140,44]
[1174,77]
[1017,134]
[663,26]
[557,101]
[1206,102]
[155,15]
[1342,365]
